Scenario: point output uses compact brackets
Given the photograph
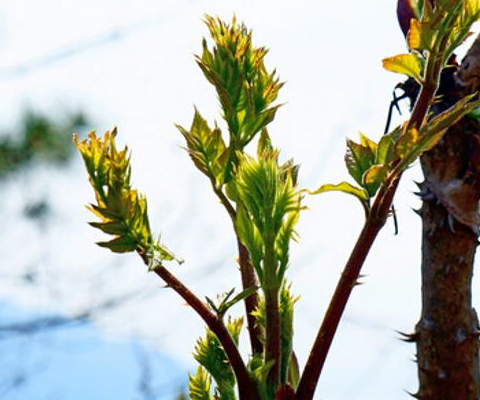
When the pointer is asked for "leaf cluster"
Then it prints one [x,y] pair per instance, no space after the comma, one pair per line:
[431,41]
[436,32]
[270,208]
[245,88]
[246,91]
[122,211]
[214,364]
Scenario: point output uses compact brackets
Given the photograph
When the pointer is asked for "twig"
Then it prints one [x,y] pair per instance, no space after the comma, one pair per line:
[373,225]
[247,389]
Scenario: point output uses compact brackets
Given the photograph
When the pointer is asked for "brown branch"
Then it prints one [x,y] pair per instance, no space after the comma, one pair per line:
[246,387]
[374,223]
[324,338]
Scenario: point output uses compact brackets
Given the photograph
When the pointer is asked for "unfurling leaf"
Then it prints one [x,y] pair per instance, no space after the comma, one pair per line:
[122,211]
[225,302]
[245,88]
[359,157]
[210,355]
[270,205]
[206,148]
[199,385]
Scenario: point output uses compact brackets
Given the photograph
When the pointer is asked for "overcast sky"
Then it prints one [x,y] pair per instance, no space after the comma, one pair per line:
[130,64]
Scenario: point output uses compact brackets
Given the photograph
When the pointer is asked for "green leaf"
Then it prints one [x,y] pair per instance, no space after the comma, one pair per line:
[226,305]
[210,354]
[264,143]
[245,88]
[234,327]
[358,158]
[111,228]
[121,244]
[206,148]
[344,187]
[199,385]
[121,210]
[451,116]
[250,237]
[374,177]
[386,147]
[475,114]
[406,143]
[407,64]
[421,36]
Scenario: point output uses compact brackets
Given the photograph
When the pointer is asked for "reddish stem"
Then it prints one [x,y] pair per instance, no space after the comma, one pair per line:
[246,387]
[374,223]
[348,280]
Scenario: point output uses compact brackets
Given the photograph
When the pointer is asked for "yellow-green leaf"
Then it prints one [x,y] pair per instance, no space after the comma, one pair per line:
[420,36]
[407,64]
[406,143]
[373,178]
[344,187]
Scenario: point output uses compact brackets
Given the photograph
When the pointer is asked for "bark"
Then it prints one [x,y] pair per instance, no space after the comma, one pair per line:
[447,333]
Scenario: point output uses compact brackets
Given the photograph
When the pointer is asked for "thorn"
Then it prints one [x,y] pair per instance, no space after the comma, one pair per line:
[417,211]
[415,395]
[420,185]
[408,337]
[425,195]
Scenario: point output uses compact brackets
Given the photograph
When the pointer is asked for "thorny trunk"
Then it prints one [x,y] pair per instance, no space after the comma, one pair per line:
[447,333]
[447,340]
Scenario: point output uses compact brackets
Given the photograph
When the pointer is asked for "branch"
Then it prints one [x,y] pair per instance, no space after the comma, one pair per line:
[247,389]
[374,223]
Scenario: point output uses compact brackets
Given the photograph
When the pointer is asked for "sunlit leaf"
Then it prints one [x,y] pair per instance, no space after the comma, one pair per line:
[199,385]
[406,143]
[359,158]
[374,177]
[344,187]
[407,64]
[420,37]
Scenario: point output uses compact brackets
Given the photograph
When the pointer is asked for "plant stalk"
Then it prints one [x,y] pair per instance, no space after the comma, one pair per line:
[246,387]
[374,223]
[272,314]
